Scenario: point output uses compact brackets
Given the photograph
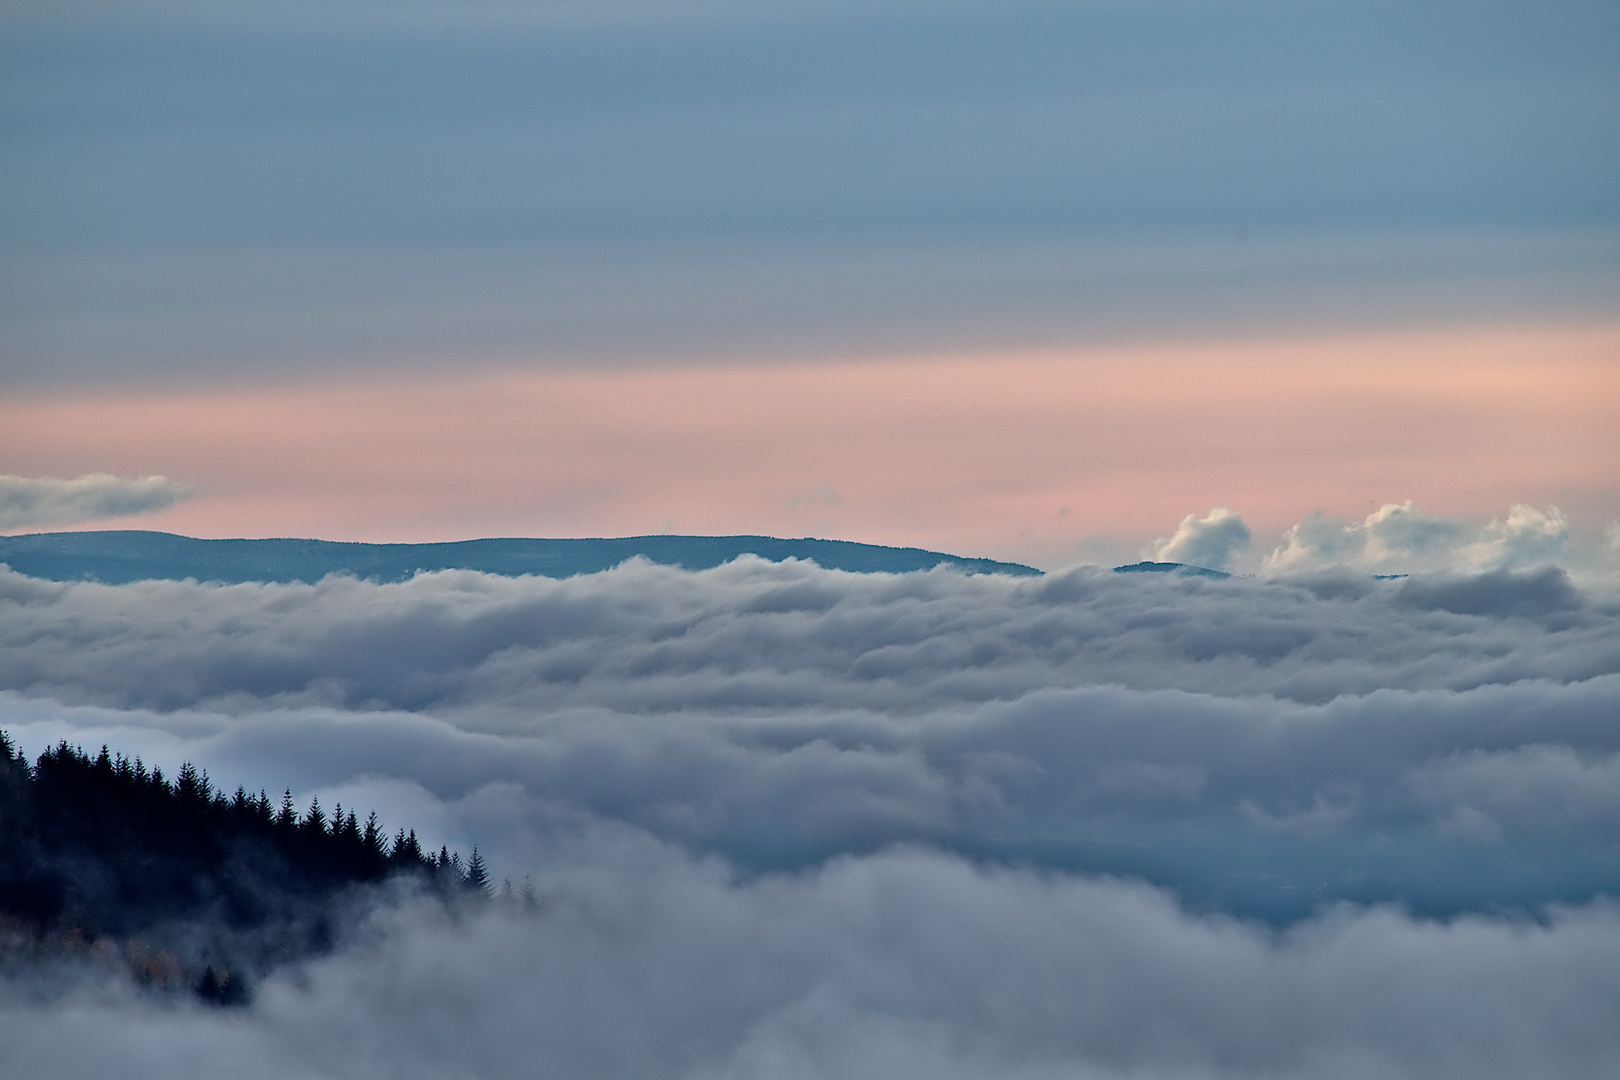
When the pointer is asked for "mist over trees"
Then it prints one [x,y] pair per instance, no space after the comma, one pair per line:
[180,883]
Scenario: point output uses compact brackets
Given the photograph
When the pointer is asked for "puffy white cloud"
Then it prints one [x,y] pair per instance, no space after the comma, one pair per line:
[1391,538]
[28,502]
[1526,537]
[1400,538]
[1211,541]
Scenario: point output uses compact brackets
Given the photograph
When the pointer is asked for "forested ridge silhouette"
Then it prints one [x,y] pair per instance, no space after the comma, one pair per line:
[183,885]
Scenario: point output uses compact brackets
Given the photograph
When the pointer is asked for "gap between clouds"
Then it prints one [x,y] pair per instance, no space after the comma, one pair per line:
[1499,797]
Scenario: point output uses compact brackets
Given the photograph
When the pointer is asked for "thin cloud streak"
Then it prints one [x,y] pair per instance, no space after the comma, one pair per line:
[29,502]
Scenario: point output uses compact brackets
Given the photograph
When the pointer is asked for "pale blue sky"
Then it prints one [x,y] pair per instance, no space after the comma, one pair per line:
[258,190]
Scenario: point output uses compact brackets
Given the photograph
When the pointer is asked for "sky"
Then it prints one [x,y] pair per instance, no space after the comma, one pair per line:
[1027,280]
[1322,294]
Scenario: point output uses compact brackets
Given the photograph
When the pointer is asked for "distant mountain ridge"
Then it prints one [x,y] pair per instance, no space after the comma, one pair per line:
[1183,569]
[117,557]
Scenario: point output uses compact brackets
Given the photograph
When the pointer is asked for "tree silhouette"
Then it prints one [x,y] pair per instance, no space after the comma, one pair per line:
[477,877]
[102,848]
[288,817]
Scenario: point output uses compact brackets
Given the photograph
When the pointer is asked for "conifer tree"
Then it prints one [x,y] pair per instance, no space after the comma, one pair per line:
[315,818]
[407,853]
[208,985]
[185,784]
[477,877]
[99,847]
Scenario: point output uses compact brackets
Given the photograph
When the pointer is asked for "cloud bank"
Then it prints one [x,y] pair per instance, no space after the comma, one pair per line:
[27,502]
[787,822]
[759,636]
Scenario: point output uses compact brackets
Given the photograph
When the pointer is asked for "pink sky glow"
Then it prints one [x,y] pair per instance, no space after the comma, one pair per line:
[1020,456]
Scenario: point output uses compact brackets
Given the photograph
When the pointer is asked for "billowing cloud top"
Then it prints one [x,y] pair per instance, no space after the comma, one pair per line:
[1401,538]
[1212,541]
[1395,540]
[759,636]
[28,502]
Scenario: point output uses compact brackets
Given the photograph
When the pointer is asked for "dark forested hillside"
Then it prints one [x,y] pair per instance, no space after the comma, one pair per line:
[188,885]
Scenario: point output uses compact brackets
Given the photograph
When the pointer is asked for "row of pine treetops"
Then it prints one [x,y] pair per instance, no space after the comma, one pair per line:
[102,848]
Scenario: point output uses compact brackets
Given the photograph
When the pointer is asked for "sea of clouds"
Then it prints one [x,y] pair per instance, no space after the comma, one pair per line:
[790,822]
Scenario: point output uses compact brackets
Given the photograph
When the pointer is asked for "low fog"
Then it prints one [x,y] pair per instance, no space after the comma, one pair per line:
[780,821]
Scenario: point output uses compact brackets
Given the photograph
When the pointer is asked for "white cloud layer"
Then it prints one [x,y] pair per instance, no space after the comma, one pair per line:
[789,822]
[767,637]
[27,502]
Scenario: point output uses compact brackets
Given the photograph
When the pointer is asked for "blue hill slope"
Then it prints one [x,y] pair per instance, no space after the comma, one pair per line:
[118,557]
